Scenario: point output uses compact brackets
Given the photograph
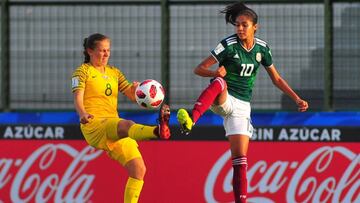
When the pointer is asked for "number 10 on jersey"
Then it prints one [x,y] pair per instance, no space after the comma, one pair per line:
[246,69]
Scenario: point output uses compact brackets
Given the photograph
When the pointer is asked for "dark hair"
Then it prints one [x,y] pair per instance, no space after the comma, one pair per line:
[90,42]
[234,10]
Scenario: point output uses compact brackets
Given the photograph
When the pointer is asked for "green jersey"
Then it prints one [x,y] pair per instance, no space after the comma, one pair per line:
[241,65]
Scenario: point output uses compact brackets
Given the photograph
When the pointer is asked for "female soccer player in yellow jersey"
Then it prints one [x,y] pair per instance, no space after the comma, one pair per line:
[95,86]
[239,57]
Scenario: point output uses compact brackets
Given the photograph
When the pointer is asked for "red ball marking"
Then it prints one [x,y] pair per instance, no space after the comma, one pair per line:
[140,94]
[153,91]
[156,103]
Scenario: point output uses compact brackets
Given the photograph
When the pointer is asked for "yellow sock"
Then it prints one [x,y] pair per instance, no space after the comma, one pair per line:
[141,132]
[132,190]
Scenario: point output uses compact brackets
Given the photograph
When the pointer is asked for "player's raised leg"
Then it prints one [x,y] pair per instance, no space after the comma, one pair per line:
[144,132]
[207,97]
[216,89]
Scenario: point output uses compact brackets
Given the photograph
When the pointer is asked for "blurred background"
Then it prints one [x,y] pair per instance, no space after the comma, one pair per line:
[293,157]
[315,47]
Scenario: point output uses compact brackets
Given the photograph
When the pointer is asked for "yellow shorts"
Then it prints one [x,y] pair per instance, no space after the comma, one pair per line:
[101,133]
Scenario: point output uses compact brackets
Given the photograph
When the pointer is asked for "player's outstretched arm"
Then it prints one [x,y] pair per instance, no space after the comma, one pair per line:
[280,83]
[130,92]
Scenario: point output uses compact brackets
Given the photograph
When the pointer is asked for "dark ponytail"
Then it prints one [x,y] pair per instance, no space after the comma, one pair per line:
[86,55]
[90,43]
[232,11]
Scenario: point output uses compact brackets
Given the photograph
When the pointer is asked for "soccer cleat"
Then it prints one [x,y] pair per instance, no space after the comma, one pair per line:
[163,126]
[185,121]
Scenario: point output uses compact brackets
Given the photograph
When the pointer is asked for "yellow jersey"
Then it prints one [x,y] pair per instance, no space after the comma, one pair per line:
[100,89]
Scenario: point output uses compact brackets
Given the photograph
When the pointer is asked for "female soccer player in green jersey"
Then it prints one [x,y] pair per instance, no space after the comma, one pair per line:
[95,86]
[229,93]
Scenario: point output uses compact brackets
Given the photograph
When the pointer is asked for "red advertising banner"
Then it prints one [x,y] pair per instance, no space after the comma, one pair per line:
[179,171]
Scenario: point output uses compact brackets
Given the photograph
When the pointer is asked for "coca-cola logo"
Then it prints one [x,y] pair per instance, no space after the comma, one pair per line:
[328,174]
[39,178]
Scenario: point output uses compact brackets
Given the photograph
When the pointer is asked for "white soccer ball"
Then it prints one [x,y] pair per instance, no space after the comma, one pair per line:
[149,94]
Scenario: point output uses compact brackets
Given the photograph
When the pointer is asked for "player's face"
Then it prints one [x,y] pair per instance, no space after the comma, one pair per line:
[244,27]
[100,55]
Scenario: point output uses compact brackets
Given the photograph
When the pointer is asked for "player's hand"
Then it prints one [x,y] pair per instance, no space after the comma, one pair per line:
[221,72]
[302,105]
[135,84]
[85,118]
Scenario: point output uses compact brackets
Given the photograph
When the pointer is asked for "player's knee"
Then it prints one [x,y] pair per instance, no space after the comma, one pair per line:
[141,170]
[123,128]
[136,169]
[138,172]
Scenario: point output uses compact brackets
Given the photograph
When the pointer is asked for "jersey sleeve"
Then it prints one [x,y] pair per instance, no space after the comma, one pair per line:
[220,51]
[124,84]
[267,58]
[78,78]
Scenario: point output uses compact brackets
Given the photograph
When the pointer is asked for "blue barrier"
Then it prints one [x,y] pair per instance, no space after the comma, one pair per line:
[351,119]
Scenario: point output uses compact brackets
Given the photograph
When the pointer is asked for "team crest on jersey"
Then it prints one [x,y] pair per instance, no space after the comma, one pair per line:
[219,48]
[258,57]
